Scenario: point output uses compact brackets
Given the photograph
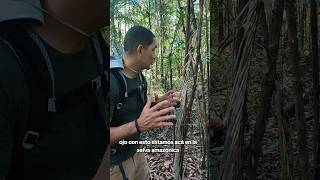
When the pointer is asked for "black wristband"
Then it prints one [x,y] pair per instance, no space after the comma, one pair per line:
[137,126]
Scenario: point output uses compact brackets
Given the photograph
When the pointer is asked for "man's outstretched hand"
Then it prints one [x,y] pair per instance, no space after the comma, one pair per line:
[156,116]
[171,97]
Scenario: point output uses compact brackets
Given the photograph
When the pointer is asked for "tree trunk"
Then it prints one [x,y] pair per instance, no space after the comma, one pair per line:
[220,21]
[285,145]
[272,39]
[193,17]
[303,17]
[207,50]
[161,43]
[315,106]
[149,14]
[187,35]
[213,6]
[203,109]
[243,45]
[211,74]
[241,135]
[186,113]
[170,69]
[181,17]
[294,55]
[177,27]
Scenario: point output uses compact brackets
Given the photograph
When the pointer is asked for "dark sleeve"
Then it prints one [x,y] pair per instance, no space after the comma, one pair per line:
[12,92]
[114,95]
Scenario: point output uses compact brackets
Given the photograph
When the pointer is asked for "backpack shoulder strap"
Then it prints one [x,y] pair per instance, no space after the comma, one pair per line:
[143,81]
[103,71]
[122,86]
[143,87]
[37,76]
[103,65]
[39,80]
[29,57]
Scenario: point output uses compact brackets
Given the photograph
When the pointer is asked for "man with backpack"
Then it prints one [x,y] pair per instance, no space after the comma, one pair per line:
[131,111]
[53,89]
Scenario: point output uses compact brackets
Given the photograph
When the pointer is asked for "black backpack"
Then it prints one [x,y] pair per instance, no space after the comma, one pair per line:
[31,57]
[123,94]
[123,88]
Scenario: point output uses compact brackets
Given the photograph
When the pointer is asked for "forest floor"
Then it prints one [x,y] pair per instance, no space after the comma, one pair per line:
[269,163]
[161,164]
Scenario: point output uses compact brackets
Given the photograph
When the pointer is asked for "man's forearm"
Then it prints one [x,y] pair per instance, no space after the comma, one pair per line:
[122,132]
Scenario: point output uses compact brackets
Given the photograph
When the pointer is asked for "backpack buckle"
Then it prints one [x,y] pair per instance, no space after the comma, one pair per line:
[113,151]
[52,105]
[119,105]
[30,139]
[96,84]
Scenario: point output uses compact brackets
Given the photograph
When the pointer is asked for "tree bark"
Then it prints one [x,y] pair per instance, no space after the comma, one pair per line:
[149,15]
[285,145]
[187,35]
[246,27]
[186,113]
[211,74]
[272,39]
[303,17]
[161,43]
[220,21]
[294,56]
[315,106]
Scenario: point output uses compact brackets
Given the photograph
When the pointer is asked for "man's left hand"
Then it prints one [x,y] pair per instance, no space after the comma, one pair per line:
[169,96]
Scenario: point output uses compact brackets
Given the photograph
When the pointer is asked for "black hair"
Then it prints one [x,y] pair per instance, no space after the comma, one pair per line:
[135,36]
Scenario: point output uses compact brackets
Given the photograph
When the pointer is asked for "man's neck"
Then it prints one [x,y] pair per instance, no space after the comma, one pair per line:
[129,68]
[61,37]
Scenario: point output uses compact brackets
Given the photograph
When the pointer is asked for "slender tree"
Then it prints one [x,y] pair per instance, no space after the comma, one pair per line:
[243,44]
[315,107]
[271,44]
[186,113]
[294,56]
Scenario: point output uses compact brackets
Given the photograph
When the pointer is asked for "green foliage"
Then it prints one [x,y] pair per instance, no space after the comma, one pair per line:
[125,14]
[165,19]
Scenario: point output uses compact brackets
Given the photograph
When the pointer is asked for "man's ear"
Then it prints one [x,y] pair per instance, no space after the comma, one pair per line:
[139,49]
